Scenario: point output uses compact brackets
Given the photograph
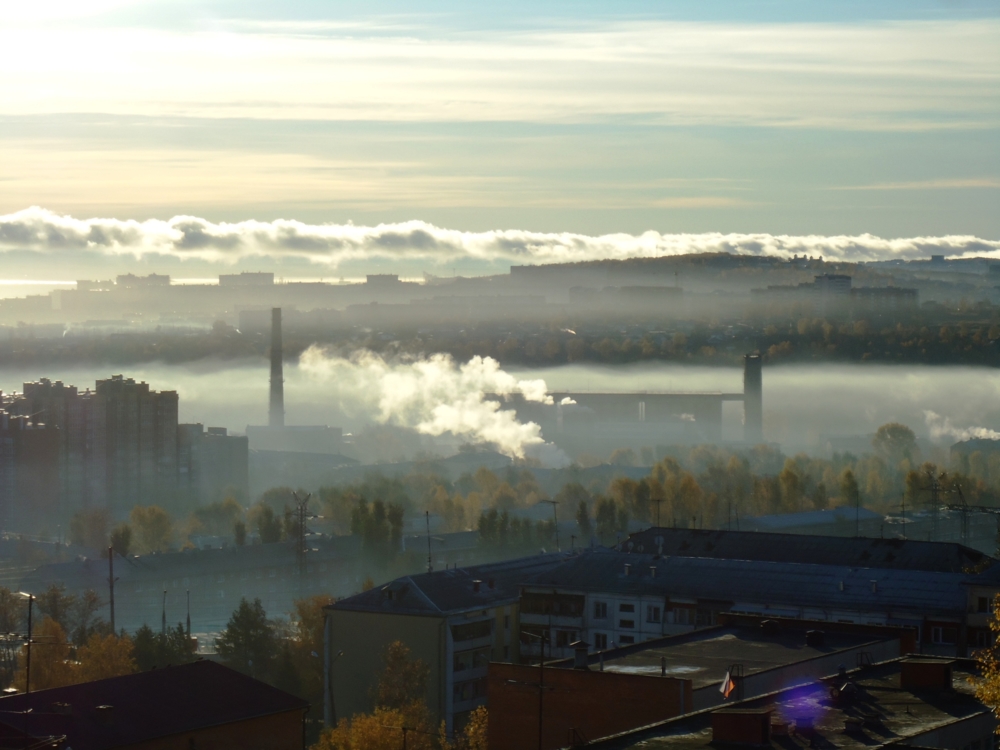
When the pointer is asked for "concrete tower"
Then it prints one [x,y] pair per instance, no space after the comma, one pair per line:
[753,400]
[276,414]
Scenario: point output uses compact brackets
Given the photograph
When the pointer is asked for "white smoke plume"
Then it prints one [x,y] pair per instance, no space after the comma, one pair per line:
[941,428]
[435,396]
[189,237]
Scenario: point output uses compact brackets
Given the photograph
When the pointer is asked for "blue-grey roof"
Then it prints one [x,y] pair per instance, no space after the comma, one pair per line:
[760,582]
[453,590]
[863,552]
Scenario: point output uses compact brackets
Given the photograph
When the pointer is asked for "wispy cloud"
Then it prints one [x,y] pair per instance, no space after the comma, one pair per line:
[878,76]
[189,237]
[939,184]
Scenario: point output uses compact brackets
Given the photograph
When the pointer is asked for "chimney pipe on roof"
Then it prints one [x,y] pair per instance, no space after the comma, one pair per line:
[476,585]
[628,568]
[276,414]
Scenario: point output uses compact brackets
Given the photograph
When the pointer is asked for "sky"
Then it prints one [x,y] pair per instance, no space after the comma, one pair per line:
[624,120]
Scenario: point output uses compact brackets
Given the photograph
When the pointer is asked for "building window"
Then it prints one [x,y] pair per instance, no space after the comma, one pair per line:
[652,613]
[944,635]
[984,604]
[469,690]
[706,617]
[626,623]
[473,659]
[600,641]
[626,608]
[682,616]
[471,630]
[626,640]
[565,637]
[600,610]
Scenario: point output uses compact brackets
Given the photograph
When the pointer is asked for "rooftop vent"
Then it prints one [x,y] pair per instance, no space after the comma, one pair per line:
[476,585]
[652,571]
[105,714]
[580,651]
[742,726]
[628,568]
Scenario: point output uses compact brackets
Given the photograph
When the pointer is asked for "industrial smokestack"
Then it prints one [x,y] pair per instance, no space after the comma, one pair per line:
[276,415]
[753,399]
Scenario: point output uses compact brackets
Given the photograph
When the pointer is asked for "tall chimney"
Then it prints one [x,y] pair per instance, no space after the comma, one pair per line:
[276,415]
[753,400]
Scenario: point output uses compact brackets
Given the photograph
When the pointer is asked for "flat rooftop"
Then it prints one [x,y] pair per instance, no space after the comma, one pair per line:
[705,656]
[881,712]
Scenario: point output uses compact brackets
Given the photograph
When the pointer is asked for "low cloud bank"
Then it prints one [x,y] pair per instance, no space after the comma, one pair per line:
[188,237]
[435,396]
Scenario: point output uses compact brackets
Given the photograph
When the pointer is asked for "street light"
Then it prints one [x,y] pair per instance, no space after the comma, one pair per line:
[27,659]
[332,718]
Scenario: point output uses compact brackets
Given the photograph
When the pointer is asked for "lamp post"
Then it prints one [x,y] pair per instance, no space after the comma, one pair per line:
[332,718]
[27,658]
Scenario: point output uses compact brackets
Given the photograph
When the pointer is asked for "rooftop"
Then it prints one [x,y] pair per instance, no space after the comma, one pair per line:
[899,554]
[705,655]
[123,711]
[453,590]
[880,712]
[758,582]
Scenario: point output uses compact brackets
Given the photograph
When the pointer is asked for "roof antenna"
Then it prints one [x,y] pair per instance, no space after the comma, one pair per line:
[427,517]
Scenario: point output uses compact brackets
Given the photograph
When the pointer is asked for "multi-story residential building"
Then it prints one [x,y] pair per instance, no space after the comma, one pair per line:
[29,489]
[141,433]
[611,598]
[120,446]
[455,620]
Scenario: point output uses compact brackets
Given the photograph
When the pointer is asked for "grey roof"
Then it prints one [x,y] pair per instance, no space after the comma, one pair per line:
[453,590]
[901,554]
[92,573]
[758,582]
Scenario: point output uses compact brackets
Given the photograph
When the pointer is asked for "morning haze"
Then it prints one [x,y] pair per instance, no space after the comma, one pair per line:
[466,378]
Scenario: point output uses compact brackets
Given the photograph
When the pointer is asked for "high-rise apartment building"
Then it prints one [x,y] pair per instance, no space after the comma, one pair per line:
[141,429]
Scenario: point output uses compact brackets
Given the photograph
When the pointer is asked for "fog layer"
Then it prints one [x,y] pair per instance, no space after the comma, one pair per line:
[803,404]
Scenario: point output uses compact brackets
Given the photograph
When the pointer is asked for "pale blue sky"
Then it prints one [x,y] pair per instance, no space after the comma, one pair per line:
[776,117]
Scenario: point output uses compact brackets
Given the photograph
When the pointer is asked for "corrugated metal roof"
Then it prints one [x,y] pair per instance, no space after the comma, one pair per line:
[902,554]
[760,582]
[452,590]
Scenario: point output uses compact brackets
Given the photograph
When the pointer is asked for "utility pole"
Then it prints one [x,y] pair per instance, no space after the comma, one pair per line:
[300,534]
[427,517]
[555,519]
[111,585]
[189,613]
[658,501]
[163,617]
[27,658]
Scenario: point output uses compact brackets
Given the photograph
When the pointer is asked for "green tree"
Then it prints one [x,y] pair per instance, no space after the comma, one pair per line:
[583,523]
[152,528]
[153,650]
[89,528]
[895,442]
[249,644]
[608,519]
[121,539]
[266,523]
